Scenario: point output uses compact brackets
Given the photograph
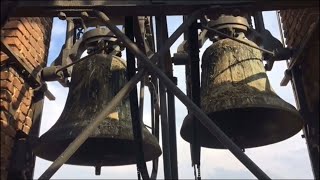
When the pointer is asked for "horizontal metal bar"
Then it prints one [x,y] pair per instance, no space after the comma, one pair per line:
[26,72]
[44,8]
[83,136]
[204,119]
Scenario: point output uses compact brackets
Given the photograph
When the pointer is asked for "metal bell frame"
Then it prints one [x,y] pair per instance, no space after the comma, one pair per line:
[151,68]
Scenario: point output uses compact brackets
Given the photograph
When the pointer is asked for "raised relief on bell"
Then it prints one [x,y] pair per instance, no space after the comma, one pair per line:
[114,116]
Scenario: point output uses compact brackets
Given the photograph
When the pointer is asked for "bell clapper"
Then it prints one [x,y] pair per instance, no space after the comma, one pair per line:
[139,174]
[98,170]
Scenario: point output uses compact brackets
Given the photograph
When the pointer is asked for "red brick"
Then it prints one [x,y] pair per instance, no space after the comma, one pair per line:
[18,125]
[15,103]
[5,116]
[26,24]
[26,129]
[5,95]
[27,102]
[11,41]
[3,58]
[30,113]
[24,109]
[17,83]
[5,75]
[21,116]
[33,52]
[13,24]
[35,45]
[28,121]
[19,35]
[34,24]
[4,105]
[7,85]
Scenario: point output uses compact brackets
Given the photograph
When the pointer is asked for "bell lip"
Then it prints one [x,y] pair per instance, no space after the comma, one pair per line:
[43,151]
[217,145]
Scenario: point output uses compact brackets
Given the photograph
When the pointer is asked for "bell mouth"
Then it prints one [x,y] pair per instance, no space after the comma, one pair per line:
[247,127]
[110,152]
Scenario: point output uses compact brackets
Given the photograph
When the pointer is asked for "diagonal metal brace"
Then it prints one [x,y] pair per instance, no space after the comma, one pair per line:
[204,119]
[29,74]
[83,136]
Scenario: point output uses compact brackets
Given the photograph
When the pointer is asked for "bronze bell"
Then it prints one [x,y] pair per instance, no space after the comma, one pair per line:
[237,96]
[94,83]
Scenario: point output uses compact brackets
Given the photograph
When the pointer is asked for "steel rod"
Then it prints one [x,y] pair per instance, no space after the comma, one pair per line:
[204,119]
[69,33]
[163,105]
[77,61]
[166,64]
[134,105]
[82,137]
[194,79]
[154,123]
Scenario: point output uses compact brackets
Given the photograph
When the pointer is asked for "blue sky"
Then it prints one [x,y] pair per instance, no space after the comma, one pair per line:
[287,159]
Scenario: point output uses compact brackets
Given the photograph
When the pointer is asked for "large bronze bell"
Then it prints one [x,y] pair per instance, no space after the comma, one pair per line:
[237,96]
[94,83]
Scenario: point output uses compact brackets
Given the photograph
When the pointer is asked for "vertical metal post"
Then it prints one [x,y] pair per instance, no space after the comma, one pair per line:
[309,117]
[37,108]
[134,106]
[70,33]
[163,104]
[204,119]
[171,102]
[154,121]
[258,21]
[193,63]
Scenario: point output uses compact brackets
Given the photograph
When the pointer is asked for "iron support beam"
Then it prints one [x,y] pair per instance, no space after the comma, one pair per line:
[153,87]
[135,112]
[23,159]
[311,120]
[204,119]
[296,59]
[44,8]
[160,27]
[167,65]
[37,107]
[194,78]
[26,72]
[83,136]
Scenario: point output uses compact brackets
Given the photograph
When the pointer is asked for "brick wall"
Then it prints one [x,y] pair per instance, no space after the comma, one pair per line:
[296,25]
[29,38]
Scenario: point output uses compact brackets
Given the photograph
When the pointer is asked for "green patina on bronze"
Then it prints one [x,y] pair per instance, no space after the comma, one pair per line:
[94,83]
[236,94]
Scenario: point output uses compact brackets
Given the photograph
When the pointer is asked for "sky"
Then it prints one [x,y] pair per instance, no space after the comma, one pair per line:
[288,159]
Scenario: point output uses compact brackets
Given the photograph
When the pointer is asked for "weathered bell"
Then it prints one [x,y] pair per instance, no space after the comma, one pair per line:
[237,96]
[94,83]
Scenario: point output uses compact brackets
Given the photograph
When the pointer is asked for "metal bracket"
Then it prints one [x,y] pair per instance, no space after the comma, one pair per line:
[296,58]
